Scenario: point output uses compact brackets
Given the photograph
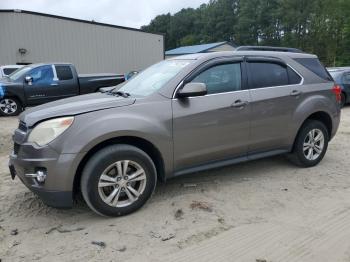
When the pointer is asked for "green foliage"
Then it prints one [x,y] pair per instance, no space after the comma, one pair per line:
[317,26]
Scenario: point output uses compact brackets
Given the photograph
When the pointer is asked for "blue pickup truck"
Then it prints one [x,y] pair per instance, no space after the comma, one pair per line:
[37,84]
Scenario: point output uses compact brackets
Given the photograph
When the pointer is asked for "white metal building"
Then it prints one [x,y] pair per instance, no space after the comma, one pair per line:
[30,37]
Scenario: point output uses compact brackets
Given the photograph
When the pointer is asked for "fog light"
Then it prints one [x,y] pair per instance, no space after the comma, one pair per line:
[40,176]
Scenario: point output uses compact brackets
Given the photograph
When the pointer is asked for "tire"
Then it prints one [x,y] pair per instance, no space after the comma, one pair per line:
[304,158]
[10,106]
[105,175]
[343,100]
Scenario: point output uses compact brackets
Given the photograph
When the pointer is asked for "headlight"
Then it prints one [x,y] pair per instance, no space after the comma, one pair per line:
[47,131]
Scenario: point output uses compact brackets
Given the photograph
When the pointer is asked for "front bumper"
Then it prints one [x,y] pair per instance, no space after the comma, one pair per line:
[57,190]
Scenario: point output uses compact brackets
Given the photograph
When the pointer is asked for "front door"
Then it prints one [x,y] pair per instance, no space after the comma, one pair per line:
[213,127]
[42,87]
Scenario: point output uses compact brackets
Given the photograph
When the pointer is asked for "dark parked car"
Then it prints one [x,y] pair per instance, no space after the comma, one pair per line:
[341,76]
[182,115]
[41,83]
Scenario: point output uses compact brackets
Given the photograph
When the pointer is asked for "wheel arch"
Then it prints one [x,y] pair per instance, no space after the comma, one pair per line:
[13,96]
[321,116]
[138,142]
[17,100]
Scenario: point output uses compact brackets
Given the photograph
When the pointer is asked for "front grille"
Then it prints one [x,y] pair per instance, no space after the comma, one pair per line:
[15,148]
[22,126]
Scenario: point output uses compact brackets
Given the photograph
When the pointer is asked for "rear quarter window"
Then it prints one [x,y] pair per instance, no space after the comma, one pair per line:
[64,72]
[314,65]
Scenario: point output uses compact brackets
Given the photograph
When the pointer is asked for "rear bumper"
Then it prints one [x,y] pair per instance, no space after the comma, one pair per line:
[57,190]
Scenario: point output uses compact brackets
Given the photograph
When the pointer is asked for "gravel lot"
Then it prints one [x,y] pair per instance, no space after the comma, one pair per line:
[267,210]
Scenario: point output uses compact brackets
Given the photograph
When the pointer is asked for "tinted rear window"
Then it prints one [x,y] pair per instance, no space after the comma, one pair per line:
[8,71]
[268,75]
[64,72]
[314,65]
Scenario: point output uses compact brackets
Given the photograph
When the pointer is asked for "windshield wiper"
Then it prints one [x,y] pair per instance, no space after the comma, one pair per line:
[121,93]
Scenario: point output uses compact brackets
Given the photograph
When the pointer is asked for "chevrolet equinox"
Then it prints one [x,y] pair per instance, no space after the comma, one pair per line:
[181,115]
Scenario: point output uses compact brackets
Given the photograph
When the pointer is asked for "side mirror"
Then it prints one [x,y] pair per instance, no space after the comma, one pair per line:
[28,80]
[193,89]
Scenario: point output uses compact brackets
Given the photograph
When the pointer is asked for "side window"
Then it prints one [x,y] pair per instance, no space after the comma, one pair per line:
[42,75]
[64,72]
[293,77]
[346,79]
[314,65]
[265,74]
[221,78]
[8,71]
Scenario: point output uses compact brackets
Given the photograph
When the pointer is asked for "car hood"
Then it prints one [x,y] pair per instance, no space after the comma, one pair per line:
[74,106]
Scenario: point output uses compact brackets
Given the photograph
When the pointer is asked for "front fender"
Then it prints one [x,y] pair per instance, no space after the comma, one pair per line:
[12,91]
[89,130]
[2,92]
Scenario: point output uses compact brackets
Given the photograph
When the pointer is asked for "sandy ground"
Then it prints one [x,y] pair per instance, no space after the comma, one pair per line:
[266,210]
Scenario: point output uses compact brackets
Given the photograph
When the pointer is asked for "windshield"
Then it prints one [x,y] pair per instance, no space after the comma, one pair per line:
[20,72]
[153,78]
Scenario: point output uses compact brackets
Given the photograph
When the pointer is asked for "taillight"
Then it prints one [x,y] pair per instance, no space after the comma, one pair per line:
[337,91]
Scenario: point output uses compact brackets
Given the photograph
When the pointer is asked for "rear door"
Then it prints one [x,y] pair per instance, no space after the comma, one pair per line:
[67,81]
[276,91]
[215,126]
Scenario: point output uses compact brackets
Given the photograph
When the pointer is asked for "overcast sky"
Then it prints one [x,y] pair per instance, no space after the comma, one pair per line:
[131,13]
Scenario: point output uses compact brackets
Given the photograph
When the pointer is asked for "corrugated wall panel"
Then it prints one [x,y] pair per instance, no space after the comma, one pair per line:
[92,48]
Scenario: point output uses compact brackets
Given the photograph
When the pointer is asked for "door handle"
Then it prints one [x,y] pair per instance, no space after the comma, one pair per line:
[296,93]
[240,104]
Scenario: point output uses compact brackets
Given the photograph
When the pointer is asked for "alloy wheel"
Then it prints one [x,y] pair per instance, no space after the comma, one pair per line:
[8,106]
[313,144]
[122,183]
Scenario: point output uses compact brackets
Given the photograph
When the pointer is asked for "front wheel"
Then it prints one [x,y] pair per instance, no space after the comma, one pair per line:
[311,144]
[10,106]
[118,180]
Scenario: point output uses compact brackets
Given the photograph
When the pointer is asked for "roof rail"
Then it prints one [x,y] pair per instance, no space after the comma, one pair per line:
[268,48]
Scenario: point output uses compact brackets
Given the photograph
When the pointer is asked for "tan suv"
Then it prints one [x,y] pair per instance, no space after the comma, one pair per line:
[182,115]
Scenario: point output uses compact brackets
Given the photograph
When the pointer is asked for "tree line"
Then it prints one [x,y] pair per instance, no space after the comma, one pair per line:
[321,27]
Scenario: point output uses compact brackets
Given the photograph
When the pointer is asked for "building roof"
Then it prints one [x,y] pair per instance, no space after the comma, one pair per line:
[75,20]
[193,49]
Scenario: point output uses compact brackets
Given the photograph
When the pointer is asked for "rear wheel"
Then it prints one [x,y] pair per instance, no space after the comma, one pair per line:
[311,144]
[10,106]
[118,180]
